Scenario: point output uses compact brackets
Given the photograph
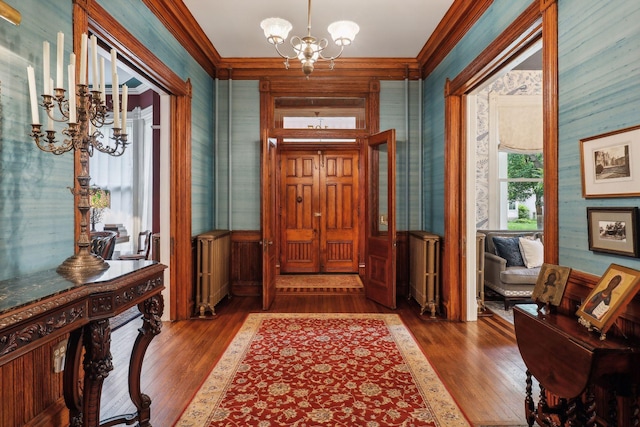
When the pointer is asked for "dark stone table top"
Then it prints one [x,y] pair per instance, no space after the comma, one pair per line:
[22,291]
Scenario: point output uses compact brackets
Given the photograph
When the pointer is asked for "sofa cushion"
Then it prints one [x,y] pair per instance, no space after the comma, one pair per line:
[509,249]
[532,252]
[520,276]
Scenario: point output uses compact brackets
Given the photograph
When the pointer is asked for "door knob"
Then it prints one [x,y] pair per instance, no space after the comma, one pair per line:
[317,214]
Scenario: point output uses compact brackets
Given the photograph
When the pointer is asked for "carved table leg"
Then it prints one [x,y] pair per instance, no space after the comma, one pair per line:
[529,406]
[71,378]
[151,309]
[590,407]
[97,365]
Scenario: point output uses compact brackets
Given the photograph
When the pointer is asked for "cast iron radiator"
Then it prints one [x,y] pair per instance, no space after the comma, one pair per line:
[213,264]
[424,274]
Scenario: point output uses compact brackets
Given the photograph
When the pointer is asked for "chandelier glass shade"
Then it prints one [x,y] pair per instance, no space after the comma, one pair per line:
[308,49]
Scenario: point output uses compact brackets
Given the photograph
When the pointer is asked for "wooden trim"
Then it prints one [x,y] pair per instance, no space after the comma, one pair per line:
[177,18]
[458,20]
[523,32]
[366,68]
[181,262]
[550,120]
[452,272]
[516,37]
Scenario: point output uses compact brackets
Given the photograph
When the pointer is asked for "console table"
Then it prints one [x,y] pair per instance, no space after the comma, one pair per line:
[41,307]
[569,361]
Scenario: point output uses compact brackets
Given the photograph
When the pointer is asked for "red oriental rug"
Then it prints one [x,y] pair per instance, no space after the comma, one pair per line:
[323,370]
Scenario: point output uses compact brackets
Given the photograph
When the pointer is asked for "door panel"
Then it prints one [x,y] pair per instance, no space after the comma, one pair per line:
[319,227]
[299,189]
[380,253]
[339,227]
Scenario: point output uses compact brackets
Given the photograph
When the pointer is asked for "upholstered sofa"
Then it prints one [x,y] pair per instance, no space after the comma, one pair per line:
[505,270]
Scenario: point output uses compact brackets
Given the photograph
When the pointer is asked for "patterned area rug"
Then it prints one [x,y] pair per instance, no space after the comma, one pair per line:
[323,370]
[497,308]
[318,283]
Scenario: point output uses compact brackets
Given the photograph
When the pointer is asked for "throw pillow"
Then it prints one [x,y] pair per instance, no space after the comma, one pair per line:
[509,249]
[532,252]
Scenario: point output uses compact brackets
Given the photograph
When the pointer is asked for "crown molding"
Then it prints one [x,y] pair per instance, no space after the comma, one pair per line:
[458,20]
[177,18]
[460,17]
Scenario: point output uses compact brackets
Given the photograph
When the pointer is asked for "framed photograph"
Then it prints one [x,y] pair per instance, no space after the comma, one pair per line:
[610,296]
[613,230]
[550,285]
[611,164]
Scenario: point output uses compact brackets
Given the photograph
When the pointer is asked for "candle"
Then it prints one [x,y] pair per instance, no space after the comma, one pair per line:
[114,88]
[72,93]
[125,94]
[45,68]
[94,61]
[116,101]
[33,95]
[102,92]
[83,59]
[60,69]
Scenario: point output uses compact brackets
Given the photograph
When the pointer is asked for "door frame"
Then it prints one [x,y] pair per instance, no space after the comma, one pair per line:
[89,15]
[540,19]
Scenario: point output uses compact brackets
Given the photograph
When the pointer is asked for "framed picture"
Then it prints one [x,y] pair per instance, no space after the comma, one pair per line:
[610,296]
[611,164]
[550,285]
[613,230]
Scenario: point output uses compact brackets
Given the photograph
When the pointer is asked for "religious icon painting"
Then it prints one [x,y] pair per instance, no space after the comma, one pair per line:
[550,285]
[609,297]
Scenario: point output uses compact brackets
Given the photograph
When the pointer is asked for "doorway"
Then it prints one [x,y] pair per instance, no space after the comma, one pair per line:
[533,25]
[319,211]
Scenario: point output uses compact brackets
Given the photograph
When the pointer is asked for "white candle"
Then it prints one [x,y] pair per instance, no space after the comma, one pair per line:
[125,100]
[83,59]
[60,60]
[102,92]
[46,73]
[116,101]
[94,62]
[33,95]
[72,93]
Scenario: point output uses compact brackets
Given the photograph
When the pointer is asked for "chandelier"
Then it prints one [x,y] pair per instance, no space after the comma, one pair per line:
[308,49]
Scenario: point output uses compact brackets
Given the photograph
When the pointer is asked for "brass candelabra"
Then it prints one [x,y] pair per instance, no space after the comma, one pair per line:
[84,136]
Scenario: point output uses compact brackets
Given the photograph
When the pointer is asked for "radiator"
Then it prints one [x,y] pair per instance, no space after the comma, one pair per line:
[213,253]
[424,272]
[480,271]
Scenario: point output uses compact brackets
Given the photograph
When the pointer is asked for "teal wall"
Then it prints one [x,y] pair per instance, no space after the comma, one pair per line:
[399,110]
[599,84]
[599,91]
[36,208]
[238,140]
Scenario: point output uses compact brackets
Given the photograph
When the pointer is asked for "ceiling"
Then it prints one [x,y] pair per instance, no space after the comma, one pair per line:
[388,29]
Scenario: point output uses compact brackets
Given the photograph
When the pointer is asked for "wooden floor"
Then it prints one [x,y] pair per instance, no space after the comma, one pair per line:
[478,361]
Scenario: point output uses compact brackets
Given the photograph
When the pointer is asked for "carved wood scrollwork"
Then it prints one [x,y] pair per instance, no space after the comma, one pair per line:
[22,336]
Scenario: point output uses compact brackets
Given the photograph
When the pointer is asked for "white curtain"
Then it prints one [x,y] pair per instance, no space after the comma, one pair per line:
[129,178]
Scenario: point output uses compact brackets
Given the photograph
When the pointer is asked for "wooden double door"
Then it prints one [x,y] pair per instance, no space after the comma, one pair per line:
[319,211]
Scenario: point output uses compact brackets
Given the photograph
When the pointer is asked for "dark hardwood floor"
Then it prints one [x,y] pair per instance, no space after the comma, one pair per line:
[478,361]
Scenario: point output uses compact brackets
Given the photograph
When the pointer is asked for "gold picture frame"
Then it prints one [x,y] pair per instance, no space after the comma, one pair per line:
[609,297]
[550,285]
